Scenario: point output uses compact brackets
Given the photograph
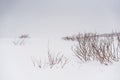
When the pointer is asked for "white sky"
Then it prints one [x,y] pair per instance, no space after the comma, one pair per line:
[58,17]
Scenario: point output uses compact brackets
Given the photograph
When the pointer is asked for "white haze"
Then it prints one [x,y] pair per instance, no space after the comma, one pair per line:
[46,22]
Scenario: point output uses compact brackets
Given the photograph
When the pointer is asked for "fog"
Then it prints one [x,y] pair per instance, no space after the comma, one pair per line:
[46,22]
[56,18]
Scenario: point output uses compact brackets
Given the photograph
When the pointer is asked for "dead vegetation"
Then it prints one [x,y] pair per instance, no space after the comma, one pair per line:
[21,40]
[104,48]
[52,60]
[57,59]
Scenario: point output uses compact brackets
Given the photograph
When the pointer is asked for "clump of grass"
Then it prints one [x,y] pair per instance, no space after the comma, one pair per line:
[92,46]
[52,60]
[36,62]
[56,59]
[21,39]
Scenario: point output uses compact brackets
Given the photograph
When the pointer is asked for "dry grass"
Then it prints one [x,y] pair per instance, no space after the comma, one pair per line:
[21,39]
[101,47]
[52,60]
[36,62]
[57,59]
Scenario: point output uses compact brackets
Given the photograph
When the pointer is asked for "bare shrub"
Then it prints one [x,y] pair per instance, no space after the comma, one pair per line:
[91,46]
[21,39]
[57,59]
[52,60]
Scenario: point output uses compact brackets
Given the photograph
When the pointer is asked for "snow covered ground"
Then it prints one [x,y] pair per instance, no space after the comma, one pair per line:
[16,63]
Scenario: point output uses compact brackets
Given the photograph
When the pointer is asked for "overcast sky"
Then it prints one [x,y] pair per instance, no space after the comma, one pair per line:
[58,17]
